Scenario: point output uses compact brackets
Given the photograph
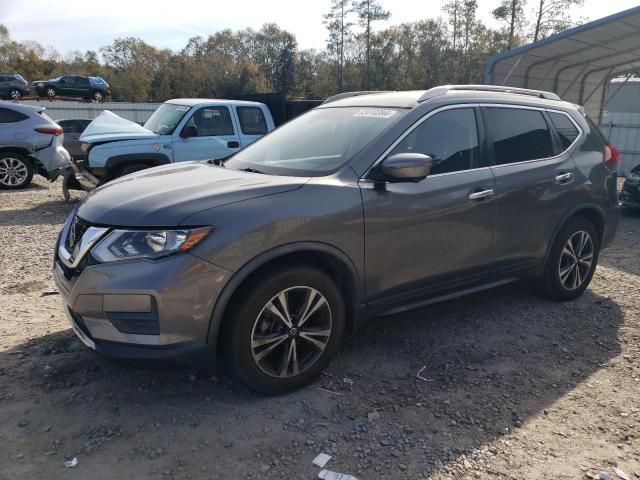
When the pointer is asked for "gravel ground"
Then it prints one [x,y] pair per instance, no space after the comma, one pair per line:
[515,386]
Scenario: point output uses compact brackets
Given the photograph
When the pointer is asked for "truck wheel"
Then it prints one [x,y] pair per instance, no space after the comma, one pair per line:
[97,96]
[16,171]
[283,329]
[127,169]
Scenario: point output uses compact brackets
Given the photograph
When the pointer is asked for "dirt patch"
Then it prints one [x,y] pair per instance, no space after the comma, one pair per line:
[513,386]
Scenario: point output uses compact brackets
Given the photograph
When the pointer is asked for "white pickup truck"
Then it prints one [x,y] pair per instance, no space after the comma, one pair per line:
[179,130]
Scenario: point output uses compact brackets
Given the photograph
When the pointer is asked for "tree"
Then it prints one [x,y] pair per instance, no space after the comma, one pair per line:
[339,31]
[553,16]
[369,11]
[511,12]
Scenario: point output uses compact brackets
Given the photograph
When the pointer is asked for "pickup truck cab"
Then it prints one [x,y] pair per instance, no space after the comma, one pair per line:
[179,130]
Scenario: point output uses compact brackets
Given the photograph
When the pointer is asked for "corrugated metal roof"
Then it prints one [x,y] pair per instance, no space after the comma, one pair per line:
[577,63]
[65,110]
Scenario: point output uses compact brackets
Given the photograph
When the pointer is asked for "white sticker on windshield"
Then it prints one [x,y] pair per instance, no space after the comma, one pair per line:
[182,109]
[375,113]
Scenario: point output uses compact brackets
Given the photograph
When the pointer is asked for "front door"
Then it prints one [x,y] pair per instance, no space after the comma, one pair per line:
[426,237]
[534,183]
[215,136]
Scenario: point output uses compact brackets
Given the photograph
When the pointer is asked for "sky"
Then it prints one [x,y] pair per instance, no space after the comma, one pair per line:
[83,25]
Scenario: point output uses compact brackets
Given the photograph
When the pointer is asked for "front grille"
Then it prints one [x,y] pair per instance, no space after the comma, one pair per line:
[76,231]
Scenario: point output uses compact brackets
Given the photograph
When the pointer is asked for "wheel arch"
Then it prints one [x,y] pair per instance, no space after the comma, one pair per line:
[321,255]
[592,212]
[117,162]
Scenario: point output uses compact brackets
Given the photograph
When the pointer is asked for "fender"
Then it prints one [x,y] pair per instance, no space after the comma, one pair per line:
[594,207]
[355,303]
[154,159]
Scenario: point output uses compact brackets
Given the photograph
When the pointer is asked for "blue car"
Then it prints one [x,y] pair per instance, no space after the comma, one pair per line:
[179,130]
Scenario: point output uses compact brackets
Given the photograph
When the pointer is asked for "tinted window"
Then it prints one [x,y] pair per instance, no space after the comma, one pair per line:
[3,78]
[68,126]
[81,125]
[252,121]
[11,116]
[82,82]
[212,121]
[518,135]
[595,140]
[450,138]
[567,131]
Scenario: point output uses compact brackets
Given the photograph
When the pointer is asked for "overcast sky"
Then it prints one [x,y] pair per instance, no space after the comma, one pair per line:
[81,24]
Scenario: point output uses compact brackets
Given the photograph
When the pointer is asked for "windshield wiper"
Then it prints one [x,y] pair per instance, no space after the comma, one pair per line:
[251,170]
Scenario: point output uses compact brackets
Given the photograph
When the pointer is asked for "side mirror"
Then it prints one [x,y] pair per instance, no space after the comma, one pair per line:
[189,131]
[406,167]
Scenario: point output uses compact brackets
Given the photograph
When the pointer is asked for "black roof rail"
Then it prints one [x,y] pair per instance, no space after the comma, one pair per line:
[340,96]
[437,91]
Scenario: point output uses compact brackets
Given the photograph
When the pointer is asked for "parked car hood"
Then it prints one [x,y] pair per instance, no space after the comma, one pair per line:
[165,196]
[108,127]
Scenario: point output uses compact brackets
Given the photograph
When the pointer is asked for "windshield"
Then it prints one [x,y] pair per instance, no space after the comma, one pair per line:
[165,119]
[317,143]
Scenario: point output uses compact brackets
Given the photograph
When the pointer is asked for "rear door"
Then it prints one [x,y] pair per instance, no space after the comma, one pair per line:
[252,123]
[535,176]
[427,237]
[67,86]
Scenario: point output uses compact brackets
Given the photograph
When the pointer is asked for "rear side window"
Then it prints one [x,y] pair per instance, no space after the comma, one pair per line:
[450,138]
[518,135]
[11,116]
[595,139]
[82,82]
[212,121]
[252,121]
[567,131]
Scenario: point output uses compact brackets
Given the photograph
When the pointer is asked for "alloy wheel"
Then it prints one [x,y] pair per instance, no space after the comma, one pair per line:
[291,332]
[51,92]
[97,96]
[13,171]
[576,260]
[15,94]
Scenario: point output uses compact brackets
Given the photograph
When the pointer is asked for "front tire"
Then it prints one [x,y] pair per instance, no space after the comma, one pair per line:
[572,260]
[97,96]
[16,171]
[15,94]
[50,92]
[283,328]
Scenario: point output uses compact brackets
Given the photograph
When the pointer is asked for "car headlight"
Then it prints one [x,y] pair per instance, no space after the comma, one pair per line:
[84,147]
[634,176]
[126,244]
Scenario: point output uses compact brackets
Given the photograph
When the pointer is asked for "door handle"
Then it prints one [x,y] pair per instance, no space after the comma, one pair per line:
[564,177]
[233,144]
[482,194]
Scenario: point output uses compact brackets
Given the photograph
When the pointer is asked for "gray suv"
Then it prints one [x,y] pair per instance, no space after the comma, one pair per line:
[367,205]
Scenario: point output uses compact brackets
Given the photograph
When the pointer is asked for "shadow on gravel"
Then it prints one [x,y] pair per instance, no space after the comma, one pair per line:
[491,362]
[47,213]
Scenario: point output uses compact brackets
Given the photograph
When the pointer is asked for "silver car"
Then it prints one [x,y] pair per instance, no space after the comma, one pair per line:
[30,142]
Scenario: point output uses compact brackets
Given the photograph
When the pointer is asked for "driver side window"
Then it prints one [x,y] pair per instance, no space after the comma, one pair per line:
[450,138]
[212,121]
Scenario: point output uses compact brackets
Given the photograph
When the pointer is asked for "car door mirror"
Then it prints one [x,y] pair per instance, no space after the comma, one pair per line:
[406,167]
[189,131]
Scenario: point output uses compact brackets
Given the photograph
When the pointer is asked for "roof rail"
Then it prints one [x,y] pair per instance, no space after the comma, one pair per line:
[340,96]
[437,91]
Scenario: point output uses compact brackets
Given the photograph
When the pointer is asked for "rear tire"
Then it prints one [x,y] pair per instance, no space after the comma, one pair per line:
[97,96]
[16,171]
[282,329]
[572,260]
[15,94]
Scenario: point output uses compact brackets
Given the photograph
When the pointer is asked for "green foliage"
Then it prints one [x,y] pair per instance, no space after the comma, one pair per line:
[413,55]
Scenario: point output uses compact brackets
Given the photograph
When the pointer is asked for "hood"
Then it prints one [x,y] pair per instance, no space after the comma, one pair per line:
[108,127]
[165,196]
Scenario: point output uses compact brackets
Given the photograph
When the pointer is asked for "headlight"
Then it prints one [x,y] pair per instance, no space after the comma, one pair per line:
[124,244]
[84,147]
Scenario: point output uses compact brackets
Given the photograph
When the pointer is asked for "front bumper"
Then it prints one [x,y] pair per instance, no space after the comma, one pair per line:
[142,309]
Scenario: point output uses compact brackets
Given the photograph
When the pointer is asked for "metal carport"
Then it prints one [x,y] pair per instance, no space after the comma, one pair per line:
[577,63]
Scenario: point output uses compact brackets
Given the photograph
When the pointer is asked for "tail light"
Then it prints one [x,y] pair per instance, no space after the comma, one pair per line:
[50,130]
[611,156]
